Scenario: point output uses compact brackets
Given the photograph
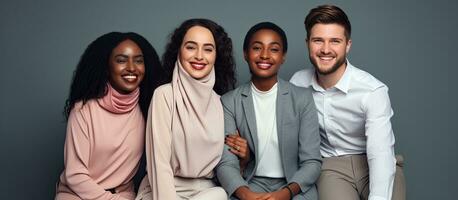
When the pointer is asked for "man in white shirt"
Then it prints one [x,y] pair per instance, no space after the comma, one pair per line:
[354,112]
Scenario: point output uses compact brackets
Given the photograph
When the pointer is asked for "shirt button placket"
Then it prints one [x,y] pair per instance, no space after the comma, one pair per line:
[327,100]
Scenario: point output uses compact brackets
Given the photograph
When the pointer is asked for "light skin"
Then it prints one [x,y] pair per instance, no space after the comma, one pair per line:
[328,48]
[264,55]
[197,52]
[126,67]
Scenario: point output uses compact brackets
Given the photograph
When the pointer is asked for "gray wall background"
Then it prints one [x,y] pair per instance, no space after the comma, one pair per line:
[409,45]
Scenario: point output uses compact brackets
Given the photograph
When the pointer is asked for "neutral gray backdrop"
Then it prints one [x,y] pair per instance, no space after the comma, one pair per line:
[410,45]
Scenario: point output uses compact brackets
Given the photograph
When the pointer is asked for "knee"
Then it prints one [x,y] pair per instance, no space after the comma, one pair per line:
[217,193]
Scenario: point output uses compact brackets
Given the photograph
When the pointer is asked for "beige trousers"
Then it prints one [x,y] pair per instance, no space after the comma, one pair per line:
[63,192]
[347,178]
[187,189]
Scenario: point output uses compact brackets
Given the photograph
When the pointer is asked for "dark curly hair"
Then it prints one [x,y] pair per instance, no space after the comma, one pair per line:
[224,63]
[91,75]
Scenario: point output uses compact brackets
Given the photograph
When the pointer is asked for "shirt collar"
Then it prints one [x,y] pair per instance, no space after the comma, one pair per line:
[344,83]
[314,82]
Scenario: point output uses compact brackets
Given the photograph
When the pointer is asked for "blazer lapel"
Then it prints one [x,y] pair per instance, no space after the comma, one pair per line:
[282,100]
[248,109]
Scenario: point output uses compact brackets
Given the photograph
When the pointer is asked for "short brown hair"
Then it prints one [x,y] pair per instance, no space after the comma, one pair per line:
[327,14]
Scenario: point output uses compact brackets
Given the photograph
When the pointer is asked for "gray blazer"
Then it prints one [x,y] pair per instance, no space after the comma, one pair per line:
[297,129]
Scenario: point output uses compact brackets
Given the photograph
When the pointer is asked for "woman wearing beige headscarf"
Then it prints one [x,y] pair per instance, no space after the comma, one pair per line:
[185,127]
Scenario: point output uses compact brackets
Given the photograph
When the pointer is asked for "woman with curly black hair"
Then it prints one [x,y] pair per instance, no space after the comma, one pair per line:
[105,111]
[185,129]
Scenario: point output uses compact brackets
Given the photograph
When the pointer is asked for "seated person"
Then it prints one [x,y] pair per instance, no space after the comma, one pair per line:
[279,123]
[185,126]
[354,111]
[106,110]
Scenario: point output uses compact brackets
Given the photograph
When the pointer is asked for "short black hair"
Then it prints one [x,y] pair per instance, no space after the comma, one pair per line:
[268,26]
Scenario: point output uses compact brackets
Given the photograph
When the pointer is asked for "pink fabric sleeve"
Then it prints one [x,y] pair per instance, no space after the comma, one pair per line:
[77,153]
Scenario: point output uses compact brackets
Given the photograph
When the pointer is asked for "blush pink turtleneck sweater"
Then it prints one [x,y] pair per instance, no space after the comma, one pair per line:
[103,147]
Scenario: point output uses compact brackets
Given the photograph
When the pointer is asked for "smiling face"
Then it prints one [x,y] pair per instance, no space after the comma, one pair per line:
[265,54]
[328,47]
[126,67]
[198,52]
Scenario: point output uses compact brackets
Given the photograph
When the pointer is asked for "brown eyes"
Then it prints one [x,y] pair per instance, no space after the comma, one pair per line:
[190,47]
[206,49]
[332,41]
[139,61]
[255,48]
[272,49]
[335,41]
[123,61]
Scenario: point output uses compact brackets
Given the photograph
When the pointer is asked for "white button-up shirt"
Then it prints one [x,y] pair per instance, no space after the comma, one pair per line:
[354,118]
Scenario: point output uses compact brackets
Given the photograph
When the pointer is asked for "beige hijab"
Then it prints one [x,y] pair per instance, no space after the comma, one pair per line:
[197,124]
[193,140]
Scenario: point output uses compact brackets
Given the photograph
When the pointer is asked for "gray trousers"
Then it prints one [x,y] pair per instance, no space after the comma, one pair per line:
[347,178]
[265,184]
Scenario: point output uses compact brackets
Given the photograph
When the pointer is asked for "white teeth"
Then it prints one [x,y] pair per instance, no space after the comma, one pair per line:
[130,77]
[326,58]
[264,64]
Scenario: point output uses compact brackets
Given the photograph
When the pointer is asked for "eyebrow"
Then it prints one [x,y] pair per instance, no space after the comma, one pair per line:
[314,38]
[258,42]
[321,38]
[195,43]
[126,56]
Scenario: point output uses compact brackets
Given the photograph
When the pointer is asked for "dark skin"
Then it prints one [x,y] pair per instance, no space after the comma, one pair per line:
[239,147]
[264,56]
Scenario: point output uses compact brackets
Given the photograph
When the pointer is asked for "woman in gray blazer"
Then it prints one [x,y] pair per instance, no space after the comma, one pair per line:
[279,123]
